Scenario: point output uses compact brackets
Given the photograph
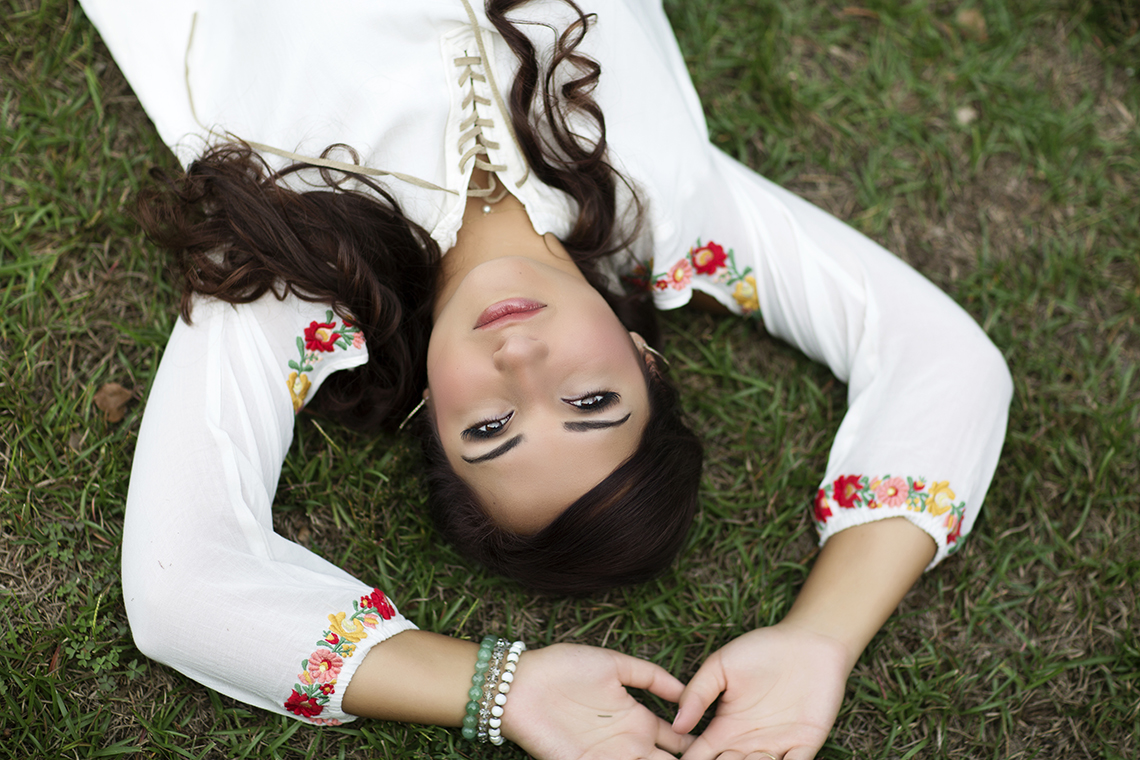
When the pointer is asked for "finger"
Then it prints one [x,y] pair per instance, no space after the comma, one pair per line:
[645,675]
[801,753]
[702,690]
[700,749]
[670,740]
[730,754]
[761,755]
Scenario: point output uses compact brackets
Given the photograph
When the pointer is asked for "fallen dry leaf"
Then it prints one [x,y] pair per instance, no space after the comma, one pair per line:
[972,22]
[860,12]
[112,398]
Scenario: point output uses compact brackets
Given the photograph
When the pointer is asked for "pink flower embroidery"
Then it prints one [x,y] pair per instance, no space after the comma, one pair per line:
[847,490]
[822,511]
[358,340]
[892,492]
[324,666]
[680,275]
[319,336]
[708,258]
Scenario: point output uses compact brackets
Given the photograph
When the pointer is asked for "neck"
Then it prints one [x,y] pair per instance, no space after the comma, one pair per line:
[504,231]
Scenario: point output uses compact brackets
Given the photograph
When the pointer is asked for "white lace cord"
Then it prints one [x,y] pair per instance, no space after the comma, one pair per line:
[326,163]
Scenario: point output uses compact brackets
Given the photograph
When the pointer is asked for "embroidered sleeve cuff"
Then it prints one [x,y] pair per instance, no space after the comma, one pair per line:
[326,672]
[852,500]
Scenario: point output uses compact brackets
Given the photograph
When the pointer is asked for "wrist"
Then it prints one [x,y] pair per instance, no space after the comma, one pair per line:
[858,580]
[826,634]
[495,665]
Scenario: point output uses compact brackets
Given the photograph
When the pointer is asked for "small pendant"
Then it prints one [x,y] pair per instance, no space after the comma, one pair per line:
[486,208]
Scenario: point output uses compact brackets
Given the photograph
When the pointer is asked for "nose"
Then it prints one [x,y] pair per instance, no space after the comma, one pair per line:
[520,352]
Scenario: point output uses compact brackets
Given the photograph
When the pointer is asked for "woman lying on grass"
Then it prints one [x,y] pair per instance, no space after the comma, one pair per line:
[504,268]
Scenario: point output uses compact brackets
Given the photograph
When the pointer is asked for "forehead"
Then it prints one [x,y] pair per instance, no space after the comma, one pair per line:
[531,485]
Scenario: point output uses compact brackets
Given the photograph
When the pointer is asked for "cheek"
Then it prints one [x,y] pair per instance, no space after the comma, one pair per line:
[449,383]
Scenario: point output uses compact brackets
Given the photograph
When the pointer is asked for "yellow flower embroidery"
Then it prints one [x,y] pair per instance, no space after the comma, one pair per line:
[353,634]
[298,389]
[745,294]
[941,497]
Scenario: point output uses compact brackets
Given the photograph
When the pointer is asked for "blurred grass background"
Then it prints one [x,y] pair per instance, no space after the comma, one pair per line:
[993,145]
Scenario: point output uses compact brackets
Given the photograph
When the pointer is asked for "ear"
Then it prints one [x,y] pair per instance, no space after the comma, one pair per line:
[643,349]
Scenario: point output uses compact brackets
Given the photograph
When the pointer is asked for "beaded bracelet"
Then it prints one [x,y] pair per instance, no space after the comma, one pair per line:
[487,705]
[475,693]
[511,662]
[494,671]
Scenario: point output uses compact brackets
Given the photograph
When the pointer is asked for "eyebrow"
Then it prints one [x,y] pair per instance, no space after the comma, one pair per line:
[496,452]
[576,427]
[580,427]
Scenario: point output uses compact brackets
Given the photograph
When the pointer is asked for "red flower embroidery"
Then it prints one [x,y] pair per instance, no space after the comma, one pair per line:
[638,279]
[333,639]
[319,336]
[299,704]
[847,491]
[380,603]
[327,688]
[708,258]
[822,511]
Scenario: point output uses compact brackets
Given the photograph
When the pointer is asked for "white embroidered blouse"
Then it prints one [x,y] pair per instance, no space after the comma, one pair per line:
[409,85]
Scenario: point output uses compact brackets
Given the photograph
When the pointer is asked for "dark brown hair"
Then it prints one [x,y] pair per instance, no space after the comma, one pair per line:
[625,530]
[238,233]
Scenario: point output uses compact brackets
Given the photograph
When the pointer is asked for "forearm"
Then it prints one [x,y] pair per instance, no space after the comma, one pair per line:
[414,677]
[858,580]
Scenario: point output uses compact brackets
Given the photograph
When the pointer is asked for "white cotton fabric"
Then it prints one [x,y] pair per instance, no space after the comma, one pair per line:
[210,588]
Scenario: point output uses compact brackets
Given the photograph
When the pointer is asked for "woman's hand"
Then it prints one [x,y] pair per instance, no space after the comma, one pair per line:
[780,690]
[569,702]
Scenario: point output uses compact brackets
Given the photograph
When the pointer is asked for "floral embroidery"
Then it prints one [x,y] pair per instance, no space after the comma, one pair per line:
[318,677]
[935,498]
[709,262]
[316,339]
[745,294]
[298,389]
[319,336]
[680,275]
[708,258]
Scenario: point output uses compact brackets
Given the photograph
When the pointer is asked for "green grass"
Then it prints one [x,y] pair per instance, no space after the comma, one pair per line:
[1005,165]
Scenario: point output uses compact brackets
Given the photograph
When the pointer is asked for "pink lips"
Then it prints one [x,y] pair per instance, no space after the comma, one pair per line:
[510,310]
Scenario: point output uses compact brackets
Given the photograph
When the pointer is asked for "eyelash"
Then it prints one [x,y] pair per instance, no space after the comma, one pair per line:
[595,401]
[598,400]
[480,432]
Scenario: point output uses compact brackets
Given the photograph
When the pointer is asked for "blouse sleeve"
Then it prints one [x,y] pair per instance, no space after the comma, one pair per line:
[210,589]
[928,393]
